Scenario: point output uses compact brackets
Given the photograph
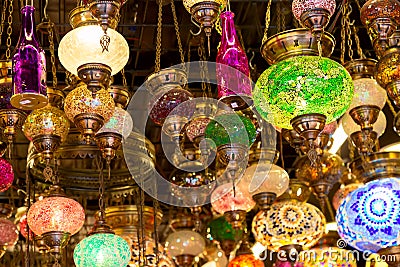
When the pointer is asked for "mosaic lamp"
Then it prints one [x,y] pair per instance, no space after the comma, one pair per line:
[303,85]
[232,202]
[246,260]
[342,193]
[221,230]
[47,128]
[290,223]
[97,60]
[368,92]
[381,18]
[88,111]
[368,217]
[8,235]
[314,14]
[102,250]
[56,218]
[265,181]
[6,175]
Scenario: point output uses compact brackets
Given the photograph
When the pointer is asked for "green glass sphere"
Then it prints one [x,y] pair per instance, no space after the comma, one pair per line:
[231,128]
[102,250]
[219,229]
[302,85]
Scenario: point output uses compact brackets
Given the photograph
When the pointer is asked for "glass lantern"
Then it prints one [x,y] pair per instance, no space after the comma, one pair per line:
[8,233]
[246,260]
[349,126]
[301,6]
[224,199]
[303,85]
[6,175]
[184,242]
[102,250]
[120,123]
[56,214]
[368,92]
[342,193]
[368,218]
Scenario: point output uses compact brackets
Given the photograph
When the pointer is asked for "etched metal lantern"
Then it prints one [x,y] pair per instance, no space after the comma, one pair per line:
[47,128]
[314,14]
[29,66]
[368,217]
[303,85]
[89,112]
[381,17]
[205,12]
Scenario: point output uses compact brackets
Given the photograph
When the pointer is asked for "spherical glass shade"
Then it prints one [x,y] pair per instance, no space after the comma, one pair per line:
[342,193]
[190,3]
[8,233]
[388,69]
[102,250]
[349,126]
[46,121]
[328,257]
[80,100]
[332,168]
[231,128]
[163,103]
[224,199]
[302,85]
[374,9]
[368,92]
[219,229]
[246,260]
[23,227]
[289,222]
[82,46]
[301,6]
[184,242]
[6,175]
[196,128]
[265,177]
[120,123]
[368,218]
[56,214]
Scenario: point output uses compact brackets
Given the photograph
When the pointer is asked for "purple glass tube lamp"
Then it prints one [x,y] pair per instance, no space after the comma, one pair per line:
[28,66]
[234,84]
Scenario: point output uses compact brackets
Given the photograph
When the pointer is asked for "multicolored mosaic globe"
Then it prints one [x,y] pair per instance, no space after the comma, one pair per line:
[369,217]
[302,85]
[289,222]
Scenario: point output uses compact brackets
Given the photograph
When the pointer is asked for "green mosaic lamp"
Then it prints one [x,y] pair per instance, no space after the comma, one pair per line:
[303,85]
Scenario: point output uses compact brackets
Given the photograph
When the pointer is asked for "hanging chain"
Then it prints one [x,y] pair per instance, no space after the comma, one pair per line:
[218,26]
[205,80]
[343,33]
[142,226]
[124,83]
[267,21]
[158,40]
[3,19]
[391,107]
[52,54]
[358,44]
[9,29]
[178,35]
[358,5]
[156,208]
[101,190]
[279,17]
[348,31]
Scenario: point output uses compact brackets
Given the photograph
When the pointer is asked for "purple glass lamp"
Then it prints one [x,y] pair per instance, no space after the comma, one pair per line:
[234,84]
[29,66]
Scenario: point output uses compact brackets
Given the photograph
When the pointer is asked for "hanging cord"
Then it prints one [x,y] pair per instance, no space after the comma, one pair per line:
[348,31]
[205,80]
[101,191]
[157,67]
[156,208]
[9,29]
[142,227]
[343,33]
[267,21]
[3,19]
[28,202]
[124,83]
[52,54]
[139,244]
[178,36]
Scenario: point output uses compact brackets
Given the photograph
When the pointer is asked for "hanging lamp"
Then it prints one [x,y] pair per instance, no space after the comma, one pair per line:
[98,59]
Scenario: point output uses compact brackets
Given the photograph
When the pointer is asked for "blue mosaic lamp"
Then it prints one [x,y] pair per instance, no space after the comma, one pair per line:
[369,217]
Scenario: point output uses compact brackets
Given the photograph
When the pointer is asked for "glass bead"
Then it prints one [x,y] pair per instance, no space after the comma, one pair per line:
[303,85]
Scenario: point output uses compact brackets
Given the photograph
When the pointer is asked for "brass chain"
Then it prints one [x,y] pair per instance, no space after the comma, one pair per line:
[267,20]
[343,33]
[358,44]
[204,68]
[52,54]
[391,107]
[158,41]
[218,26]
[348,31]
[124,83]
[279,17]
[358,5]
[101,189]
[156,206]
[178,35]
[3,19]
[9,29]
